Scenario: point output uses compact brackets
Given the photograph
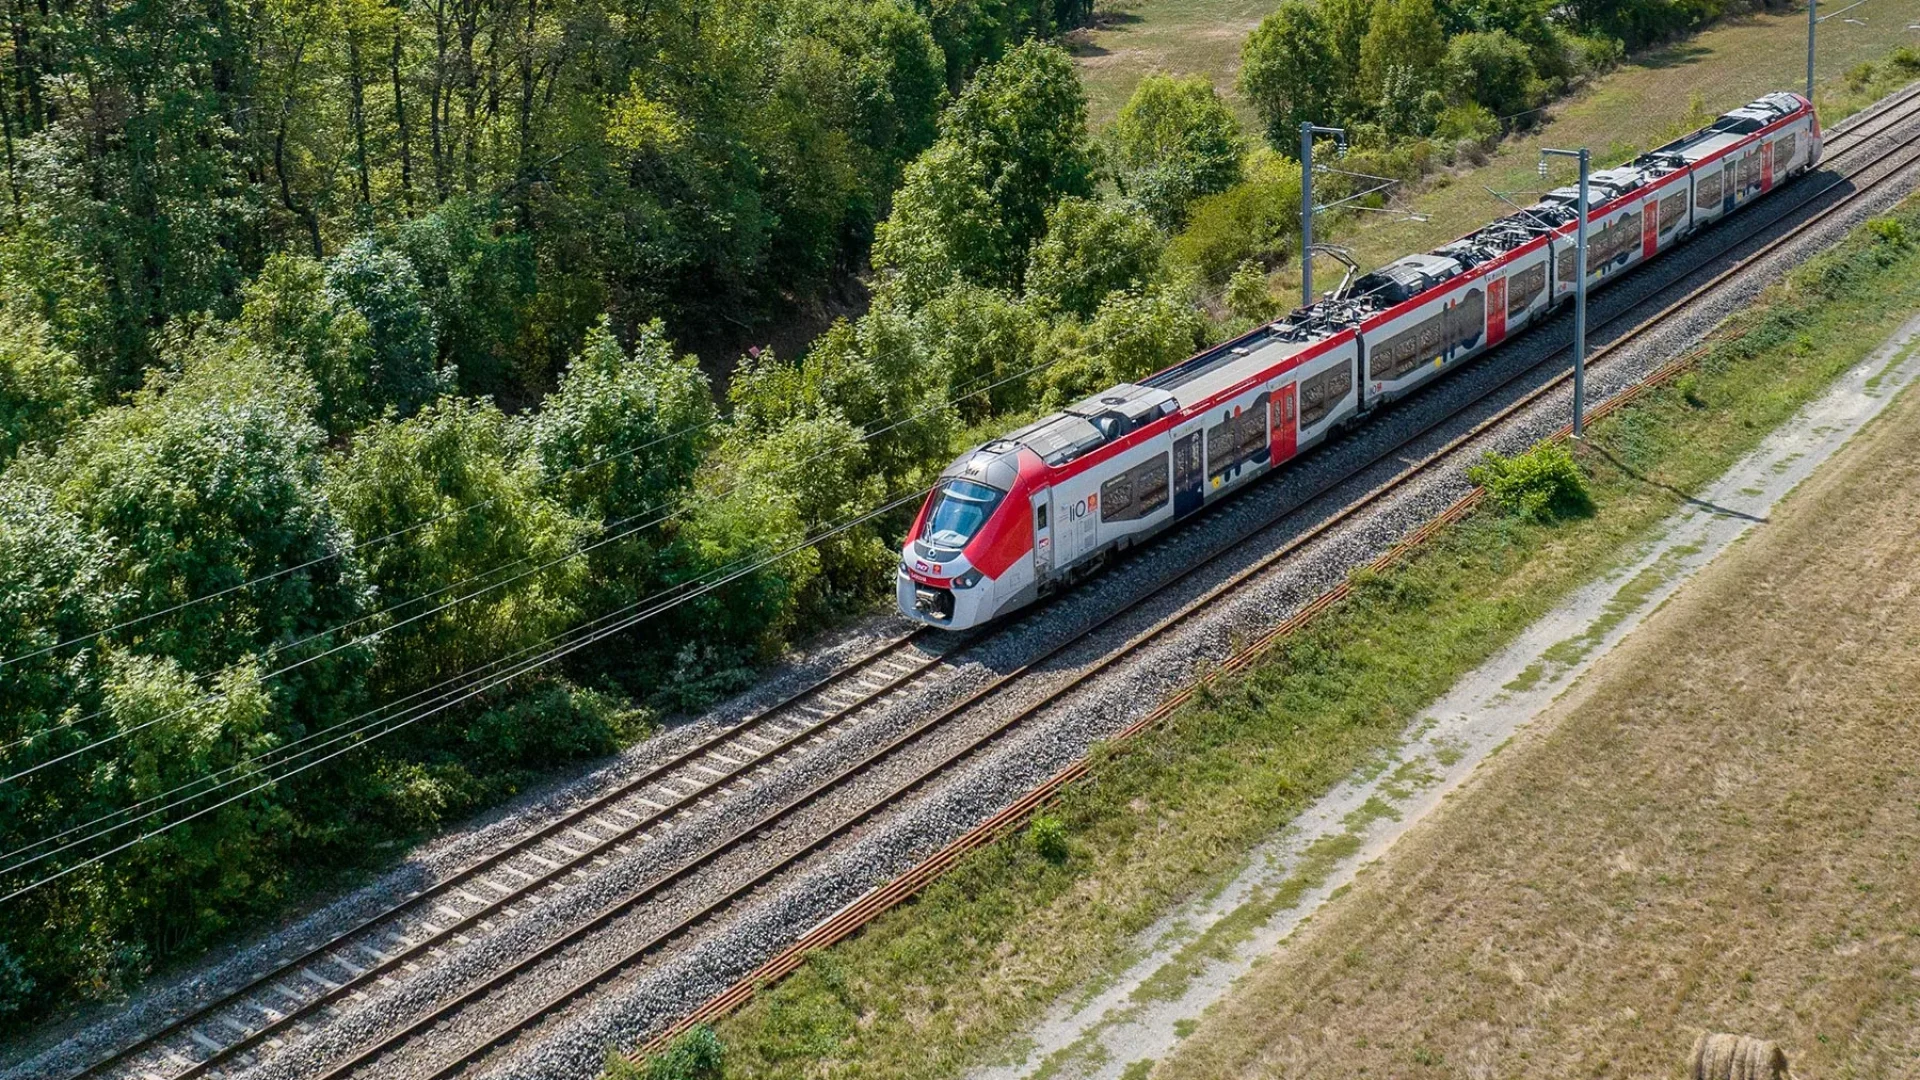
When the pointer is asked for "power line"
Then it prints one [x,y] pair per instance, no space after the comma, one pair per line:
[701,499]
[348,550]
[551,656]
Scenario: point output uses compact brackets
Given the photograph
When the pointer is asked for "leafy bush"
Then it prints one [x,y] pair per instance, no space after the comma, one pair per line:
[1091,249]
[1542,485]
[1467,123]
[696,1055]
[43,388]
[1174,141]
[1047,836]
[1257,219]
[1248,294]
[1493,69]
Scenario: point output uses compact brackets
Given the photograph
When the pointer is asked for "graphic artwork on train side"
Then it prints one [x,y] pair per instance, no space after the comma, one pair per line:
[1028,513]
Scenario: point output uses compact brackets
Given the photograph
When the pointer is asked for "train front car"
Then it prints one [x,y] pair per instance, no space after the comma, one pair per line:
[970,553]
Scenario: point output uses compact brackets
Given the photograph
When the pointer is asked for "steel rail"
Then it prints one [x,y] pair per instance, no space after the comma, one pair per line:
[1851,132]
[879,754]
[863,910]
[657,774]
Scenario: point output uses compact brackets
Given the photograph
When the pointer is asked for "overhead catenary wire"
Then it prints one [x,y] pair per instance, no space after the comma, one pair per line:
[466,693]
[256,763]
[282,648]
[319,560]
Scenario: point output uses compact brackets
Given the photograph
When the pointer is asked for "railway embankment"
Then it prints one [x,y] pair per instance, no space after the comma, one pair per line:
[1057,913]
[1712,831]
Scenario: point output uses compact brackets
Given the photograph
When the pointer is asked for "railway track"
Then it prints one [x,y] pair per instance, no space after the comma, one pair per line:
[269,1010]
[528,871]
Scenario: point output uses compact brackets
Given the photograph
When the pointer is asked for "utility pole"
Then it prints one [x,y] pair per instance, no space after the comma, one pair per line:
[1813,22]
[1579,289]
[1307,132]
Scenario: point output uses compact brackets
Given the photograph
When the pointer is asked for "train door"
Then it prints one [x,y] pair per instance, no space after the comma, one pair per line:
[1042,503]
[1286,431]
[1189,475]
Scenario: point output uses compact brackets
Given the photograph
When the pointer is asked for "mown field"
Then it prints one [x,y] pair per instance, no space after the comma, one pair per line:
[949,980]
[1648,99]
[1716,831]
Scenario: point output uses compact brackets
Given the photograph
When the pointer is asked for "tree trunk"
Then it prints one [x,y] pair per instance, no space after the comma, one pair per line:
[436,103]
[357,114]
[400,119]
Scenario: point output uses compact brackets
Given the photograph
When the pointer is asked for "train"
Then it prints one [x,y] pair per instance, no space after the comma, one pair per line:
[1038,509]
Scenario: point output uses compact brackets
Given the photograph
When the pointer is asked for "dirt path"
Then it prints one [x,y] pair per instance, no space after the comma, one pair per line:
[1311,1010]
[1717,829]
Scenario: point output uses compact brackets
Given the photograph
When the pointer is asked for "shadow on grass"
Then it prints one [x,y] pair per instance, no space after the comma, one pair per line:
[1711,508]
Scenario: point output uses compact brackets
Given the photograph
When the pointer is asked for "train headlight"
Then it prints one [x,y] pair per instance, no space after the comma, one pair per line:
[967,580]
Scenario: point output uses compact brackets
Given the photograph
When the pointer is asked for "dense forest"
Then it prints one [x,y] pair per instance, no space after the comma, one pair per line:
[345,406]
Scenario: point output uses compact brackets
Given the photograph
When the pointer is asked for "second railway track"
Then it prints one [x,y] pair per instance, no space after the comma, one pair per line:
[230,1031]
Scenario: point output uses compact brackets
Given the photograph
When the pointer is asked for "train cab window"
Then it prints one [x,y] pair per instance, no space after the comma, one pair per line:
[960,508]
[1040,516]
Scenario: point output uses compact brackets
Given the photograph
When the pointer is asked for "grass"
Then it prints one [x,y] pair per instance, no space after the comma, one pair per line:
[1717,832]
[1654,96]
[952,979]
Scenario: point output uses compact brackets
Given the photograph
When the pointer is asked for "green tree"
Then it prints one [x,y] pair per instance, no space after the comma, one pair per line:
[471,578]
[1405,42]
[379,284]
[1258,218]
[1131,336]
[980,339]
[1490,68]
[1011,145]
[618,444]
[288,310]
[209,478]
[1284,71]
[1174,141]
[1091,249]
[43,388]
[945,228]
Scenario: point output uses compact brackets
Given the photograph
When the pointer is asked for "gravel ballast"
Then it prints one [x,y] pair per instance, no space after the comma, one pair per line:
[685,974]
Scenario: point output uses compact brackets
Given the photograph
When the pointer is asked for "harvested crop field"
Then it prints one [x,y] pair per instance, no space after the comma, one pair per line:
[1716,830]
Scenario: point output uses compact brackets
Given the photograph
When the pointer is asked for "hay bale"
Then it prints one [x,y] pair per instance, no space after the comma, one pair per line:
[1736,1057]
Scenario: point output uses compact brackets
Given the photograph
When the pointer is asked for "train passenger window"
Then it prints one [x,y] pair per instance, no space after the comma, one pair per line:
[1136,493]
[958,510]
[1220,446]
[1253,429]
[1706,194]
[1321,394]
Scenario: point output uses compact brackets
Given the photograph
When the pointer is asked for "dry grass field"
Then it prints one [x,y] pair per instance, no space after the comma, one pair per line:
[1718,829]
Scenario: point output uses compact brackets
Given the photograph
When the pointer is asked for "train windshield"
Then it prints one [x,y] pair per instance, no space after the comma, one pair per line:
[959,508]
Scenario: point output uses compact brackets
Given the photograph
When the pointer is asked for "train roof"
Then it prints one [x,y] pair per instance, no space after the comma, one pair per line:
[1116,412]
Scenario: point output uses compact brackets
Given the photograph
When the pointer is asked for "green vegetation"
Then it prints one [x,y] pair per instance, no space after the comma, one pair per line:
[946,981]
[343,348]
[696,1055]
[1543,484]
[367,430]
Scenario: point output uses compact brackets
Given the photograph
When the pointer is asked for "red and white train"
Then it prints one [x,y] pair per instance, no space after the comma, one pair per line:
[1029,512]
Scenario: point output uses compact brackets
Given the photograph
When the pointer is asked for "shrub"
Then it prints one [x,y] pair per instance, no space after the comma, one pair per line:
[1255,219]
[1467,123]
[1543,485]
[1047,835]
[696,1055]
[1173,142]
[1091,249]
[1248,295]
[1492,69]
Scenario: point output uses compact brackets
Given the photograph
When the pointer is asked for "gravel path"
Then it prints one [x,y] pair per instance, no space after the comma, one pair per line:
[1139,1016]
[573,1045]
